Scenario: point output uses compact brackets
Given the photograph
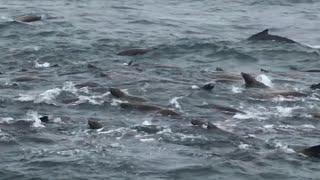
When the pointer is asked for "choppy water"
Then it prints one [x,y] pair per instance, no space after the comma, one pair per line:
[190,39]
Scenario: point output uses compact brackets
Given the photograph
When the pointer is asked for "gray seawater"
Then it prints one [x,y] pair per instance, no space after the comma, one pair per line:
[64,65]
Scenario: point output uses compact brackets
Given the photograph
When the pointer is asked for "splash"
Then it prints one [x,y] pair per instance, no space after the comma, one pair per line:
[265,80]
[175,103]
[34,116]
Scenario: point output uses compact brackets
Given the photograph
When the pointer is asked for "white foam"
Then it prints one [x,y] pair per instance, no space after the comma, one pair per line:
[165,131]
[48,96]
[280,98]
[6,119]
[146,123]
[284,147]
[285,111]
[43,65]
[236,89]
[90,99]
[243,146]
[34,116]
[26,97]
[268,126]
[57,120]
[195,87]
[308,126]
[264,79]
[69,87]
[147,140]
[116,102]
[175,103]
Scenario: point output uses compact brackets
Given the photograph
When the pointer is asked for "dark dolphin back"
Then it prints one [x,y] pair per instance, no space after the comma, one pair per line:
[251,82]
[265,36]
[313,151]
[260,36]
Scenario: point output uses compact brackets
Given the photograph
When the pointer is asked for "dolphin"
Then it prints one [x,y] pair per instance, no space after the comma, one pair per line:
[316,114]
[203,123]
[251,82]
[208,86]
[265,36]
[94,124]
[149,108]
[123,96]
[224,109]
[313,151]
[28,18]
[315,86]
[134,52]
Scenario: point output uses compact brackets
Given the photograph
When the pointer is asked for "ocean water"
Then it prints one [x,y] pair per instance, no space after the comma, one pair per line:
[64,65]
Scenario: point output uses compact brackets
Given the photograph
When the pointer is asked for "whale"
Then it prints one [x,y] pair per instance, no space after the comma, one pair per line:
[313,151]
[251,82]
[134,52]
[117,93]
[265,36]
[28,18]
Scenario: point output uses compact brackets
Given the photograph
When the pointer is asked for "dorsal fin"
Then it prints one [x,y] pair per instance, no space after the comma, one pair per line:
[264,32]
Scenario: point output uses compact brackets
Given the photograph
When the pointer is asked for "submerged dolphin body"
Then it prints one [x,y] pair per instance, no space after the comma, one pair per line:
[265,36]
[134,52]
[28,18]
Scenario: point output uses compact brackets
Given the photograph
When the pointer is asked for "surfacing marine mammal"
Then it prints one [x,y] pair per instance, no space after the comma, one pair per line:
[251,82]
[28,18]
[265,36]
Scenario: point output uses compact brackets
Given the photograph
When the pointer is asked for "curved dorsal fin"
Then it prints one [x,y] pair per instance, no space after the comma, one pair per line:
[264,32]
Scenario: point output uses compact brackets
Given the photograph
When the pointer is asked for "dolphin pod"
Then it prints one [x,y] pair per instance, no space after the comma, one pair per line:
[265,36]
[28,18]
